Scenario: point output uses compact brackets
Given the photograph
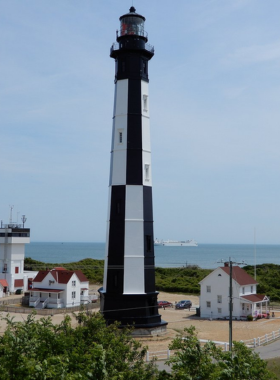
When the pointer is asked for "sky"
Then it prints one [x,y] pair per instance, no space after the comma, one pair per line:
[214,96]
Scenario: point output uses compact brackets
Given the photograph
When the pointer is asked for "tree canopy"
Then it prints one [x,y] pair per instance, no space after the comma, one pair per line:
[40,350]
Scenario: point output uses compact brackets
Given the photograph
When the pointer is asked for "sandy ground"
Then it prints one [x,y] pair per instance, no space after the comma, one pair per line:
[179,319]
[206,329]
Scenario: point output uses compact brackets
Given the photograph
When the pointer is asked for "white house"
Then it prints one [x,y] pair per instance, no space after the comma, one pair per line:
[59,288]
[214,294]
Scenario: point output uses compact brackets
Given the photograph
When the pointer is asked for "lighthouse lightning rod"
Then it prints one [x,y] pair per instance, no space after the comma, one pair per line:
[230,298]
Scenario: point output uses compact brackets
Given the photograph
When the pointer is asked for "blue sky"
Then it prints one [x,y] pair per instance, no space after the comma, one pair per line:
[214,105]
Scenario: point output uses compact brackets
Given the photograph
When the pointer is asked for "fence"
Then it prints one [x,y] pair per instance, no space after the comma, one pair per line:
[251,343]
[8,306]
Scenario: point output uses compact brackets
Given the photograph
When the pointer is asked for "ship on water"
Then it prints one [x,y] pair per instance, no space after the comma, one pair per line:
[176,243]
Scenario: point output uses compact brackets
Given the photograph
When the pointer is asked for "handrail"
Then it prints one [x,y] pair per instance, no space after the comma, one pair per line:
[148,47]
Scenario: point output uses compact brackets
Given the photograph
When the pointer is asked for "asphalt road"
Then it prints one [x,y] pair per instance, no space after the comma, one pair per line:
[272,350]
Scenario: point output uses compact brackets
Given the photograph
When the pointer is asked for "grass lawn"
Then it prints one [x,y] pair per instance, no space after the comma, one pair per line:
[274,366]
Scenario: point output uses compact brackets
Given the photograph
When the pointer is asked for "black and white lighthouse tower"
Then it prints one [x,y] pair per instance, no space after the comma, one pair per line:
[128,293]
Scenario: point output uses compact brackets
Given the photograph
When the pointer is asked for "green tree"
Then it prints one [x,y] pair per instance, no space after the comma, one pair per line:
[192,361]
[38,349]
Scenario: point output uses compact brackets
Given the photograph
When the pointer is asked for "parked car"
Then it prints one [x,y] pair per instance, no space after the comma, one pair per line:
[165,304]
[184,304]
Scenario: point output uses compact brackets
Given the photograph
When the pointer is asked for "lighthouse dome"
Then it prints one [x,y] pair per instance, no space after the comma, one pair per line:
[132,23]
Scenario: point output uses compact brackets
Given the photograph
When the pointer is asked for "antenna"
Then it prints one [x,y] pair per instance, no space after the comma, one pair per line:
[24,219]
[11,214]
[255,272]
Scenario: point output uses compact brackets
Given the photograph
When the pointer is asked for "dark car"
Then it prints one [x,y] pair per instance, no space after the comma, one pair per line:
[165,304]
[184,304]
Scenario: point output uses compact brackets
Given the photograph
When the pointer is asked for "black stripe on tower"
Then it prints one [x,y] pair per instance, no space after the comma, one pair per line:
[134,134]
[149,259]
[116,241]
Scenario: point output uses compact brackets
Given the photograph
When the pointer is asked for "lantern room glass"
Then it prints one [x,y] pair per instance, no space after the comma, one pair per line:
[132,26]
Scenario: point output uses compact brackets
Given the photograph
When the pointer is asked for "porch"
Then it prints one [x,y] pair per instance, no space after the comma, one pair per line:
[255,305]
[46,298]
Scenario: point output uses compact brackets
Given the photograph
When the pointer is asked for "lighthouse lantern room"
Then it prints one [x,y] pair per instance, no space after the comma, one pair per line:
[128,294]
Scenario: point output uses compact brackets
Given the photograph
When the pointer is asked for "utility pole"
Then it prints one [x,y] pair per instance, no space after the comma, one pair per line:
[230,262]
[230,305]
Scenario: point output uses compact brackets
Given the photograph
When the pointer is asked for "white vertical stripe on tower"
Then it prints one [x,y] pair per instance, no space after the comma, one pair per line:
[121,97]
[119,147]
[134,275]
[134,241]
[146,140]
[119,138]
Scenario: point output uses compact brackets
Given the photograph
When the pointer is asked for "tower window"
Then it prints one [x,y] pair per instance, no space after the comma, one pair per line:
[145,103]
[144,67]
[149,243]
[16,269]
[120,137]
[147,172]
[118,206]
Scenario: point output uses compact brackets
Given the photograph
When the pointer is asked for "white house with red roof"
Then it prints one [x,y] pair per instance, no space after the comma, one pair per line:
[58,288]
[214,294]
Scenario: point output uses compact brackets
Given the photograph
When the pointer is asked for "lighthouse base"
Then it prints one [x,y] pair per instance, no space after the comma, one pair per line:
[137,310]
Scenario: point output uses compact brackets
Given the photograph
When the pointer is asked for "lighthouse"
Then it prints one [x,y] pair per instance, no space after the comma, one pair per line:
[128,294]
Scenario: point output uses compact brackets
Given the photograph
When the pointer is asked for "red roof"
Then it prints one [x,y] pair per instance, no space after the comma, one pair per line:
[240,275]
[81,276]
[59,268]
[255,297]
[61,275]
[18,283]
[4,283]
[41,275]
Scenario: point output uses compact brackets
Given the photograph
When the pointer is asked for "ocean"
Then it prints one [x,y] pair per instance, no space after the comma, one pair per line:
[205,255]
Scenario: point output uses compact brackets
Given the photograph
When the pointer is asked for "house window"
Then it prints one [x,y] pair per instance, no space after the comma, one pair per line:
[73,294]
[16,269]
[50,295]
[219,299]
[243,306]
[208,304]
[58,296]
[252,289]
[73,283]
[147,172]
[5,268]
[219,310]
[145,103]
[208,289]
[243,290]
[82,292]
